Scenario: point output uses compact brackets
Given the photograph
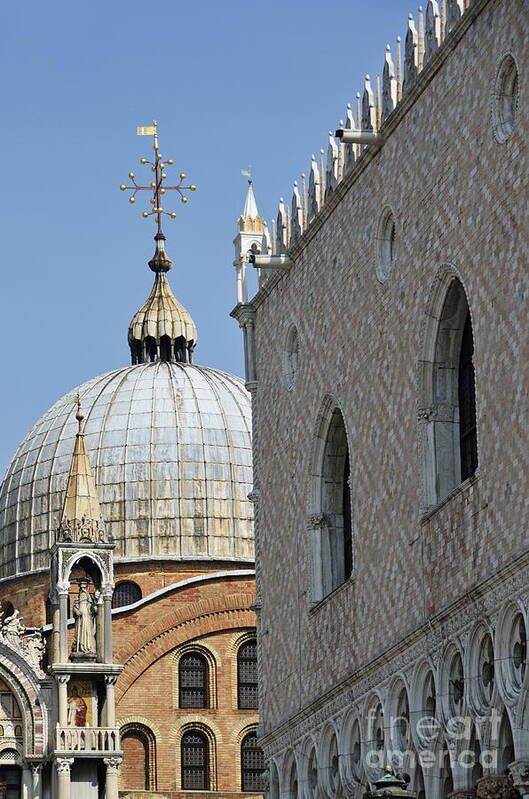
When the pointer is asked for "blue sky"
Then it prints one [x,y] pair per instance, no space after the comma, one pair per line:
[231,83]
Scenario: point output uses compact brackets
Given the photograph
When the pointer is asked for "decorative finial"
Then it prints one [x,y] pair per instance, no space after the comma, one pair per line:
[247,173]
[79,414]
[157,187]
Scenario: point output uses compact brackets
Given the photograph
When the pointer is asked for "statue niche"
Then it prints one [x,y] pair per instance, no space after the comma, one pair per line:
[85,611]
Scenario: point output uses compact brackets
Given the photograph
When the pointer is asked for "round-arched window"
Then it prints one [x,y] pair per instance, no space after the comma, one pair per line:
[193,680]
[126,593]
[194,761]
[385,245]
[252,764]
[505,99]
[247,688]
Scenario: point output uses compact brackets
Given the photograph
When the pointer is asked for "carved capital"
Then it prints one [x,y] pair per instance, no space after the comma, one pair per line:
[427,414]
[245,315]
[110,679]
[107,590]
[466,793]
[63,765]
[317,520]
[496,786]
[112,763]
[63,679]
[519,771]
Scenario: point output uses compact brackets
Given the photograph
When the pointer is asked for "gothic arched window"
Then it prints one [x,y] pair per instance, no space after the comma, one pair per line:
[252,764]
[195,761]
[332,542]
[247,691]
[193,680]
[449,394]
[125,593]
[468,443]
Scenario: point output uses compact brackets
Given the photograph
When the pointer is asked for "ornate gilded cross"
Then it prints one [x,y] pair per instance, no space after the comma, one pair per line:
[157,187]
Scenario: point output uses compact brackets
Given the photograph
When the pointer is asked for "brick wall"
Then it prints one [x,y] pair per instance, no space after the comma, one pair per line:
[213,613]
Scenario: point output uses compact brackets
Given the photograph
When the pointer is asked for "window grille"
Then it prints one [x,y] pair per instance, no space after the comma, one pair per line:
[193,680]
[247,676]
[125,593]
[252,764]
[195,762]
[467,404]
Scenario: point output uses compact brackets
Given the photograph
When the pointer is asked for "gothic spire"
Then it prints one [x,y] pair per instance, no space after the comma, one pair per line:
[81,518]
[250,206]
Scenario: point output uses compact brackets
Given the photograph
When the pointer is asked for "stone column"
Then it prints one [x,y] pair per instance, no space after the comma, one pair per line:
[242,293]
[520,776]
[27,783]
[246,318]
[107,599]
[63,627]
[100,627]
[249,329]
[56,631]
[110,701]
[63,765]
[62,689]
[111,778]
[36,774]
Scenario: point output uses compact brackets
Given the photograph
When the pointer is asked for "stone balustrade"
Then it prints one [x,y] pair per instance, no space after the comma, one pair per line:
[87,739]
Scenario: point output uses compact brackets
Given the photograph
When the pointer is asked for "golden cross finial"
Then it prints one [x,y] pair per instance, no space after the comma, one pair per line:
[157,187]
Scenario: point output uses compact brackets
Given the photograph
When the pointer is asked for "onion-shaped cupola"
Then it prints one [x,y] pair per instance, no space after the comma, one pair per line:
[162,329]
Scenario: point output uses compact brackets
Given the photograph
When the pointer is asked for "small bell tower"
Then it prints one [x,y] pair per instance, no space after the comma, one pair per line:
[251,239]
[81,586]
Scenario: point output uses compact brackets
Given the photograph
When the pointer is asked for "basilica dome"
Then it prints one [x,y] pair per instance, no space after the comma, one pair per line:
[169,446]
[170,449]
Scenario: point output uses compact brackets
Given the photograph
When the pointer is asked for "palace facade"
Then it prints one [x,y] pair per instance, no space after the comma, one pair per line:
[386,352]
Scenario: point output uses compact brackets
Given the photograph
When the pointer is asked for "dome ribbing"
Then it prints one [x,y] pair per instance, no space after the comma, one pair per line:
[169,446]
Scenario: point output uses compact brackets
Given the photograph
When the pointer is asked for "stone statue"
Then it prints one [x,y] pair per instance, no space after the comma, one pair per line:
[12,629]
[84,611]
[34,648]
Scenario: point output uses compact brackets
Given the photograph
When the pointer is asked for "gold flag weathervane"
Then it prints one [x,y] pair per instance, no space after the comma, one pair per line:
[157,187]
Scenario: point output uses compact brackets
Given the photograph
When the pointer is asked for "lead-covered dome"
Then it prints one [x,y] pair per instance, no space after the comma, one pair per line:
[170,449]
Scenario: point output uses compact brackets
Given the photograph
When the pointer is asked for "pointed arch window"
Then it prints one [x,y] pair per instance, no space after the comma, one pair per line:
[331,522]
[252,764]
[195,761]
[467,404]
[247,686]
[448,412]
